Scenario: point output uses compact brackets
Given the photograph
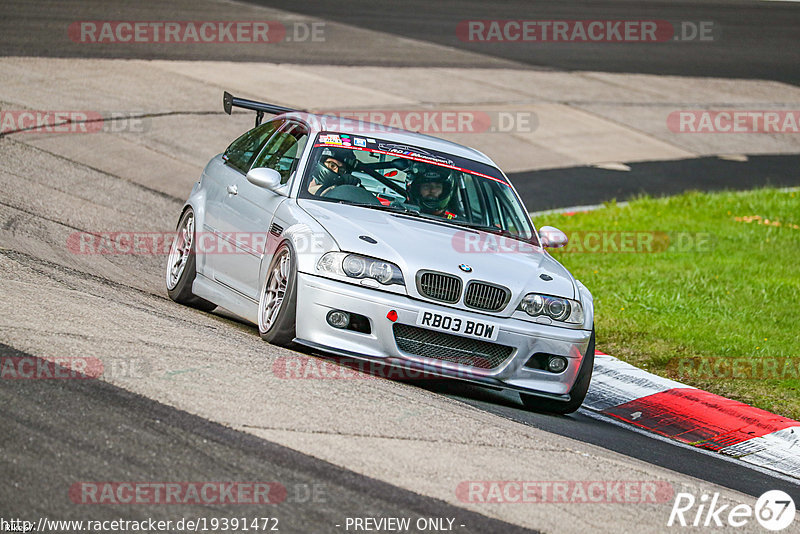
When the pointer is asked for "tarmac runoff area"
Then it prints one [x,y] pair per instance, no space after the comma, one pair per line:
[114,308]
[541,119]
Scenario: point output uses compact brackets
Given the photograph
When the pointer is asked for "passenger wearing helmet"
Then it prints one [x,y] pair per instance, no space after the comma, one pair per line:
[431,188]
[332,169]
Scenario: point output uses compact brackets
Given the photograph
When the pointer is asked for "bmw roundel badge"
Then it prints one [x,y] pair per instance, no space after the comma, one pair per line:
[466,268]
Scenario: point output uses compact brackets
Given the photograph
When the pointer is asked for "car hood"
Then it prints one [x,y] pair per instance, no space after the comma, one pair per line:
[415,244]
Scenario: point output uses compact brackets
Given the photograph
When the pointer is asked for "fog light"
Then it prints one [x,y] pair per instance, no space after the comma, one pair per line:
[338,319]
[557,364]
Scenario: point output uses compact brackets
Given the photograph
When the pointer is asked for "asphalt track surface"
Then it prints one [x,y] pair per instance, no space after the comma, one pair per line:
[597,430]
[751,38]
[590,428]
[580,186]
[55,432]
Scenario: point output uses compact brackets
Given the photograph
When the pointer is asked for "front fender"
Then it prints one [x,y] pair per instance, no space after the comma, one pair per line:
[587,300]
[308,238]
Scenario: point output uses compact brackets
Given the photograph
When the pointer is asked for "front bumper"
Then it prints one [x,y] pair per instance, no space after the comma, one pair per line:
[316,296]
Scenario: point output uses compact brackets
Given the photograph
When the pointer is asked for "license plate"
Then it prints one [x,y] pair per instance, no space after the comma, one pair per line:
[453,324]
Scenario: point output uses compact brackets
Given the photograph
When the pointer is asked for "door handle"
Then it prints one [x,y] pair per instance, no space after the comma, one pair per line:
[232,190]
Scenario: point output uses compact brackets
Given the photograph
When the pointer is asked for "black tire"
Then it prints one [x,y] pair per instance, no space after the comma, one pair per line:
[182,290]
[577,393]
[281,329]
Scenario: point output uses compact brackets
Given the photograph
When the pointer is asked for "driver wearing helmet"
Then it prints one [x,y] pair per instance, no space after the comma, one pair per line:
[331,170]
[431,188]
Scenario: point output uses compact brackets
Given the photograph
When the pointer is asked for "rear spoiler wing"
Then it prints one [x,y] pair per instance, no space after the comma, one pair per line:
[229,102]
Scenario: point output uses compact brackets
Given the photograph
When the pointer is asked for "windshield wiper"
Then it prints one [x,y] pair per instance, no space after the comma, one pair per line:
[384,207]
[435,218]
[474,226]
[402,210]
[490,229]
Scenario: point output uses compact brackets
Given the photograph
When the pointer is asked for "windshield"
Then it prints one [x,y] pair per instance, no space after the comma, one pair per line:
[419,182]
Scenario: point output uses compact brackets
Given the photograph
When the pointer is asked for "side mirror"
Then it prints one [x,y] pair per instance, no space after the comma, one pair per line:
[552,237]
[264,177]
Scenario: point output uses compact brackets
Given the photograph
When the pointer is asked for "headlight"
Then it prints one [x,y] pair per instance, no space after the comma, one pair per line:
[356,266]
[556,308]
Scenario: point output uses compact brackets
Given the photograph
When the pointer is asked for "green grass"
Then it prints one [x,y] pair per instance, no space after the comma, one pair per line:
[735,294]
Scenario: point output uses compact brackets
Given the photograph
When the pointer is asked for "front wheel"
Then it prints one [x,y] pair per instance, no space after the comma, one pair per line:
[577,393]
[181,266]
[277,306]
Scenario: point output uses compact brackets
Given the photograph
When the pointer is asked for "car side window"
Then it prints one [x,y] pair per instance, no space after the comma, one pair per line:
[241,152]
[283,150]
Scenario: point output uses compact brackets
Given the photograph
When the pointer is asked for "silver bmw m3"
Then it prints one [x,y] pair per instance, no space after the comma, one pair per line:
[386,245]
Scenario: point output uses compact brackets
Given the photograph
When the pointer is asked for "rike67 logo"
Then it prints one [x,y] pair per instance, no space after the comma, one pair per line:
[774,510]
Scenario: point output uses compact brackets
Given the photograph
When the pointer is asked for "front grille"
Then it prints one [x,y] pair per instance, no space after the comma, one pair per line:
[449,347]
[484,296]
[439,286]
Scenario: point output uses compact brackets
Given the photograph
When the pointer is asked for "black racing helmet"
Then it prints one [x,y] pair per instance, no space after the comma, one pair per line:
[344,155]
[421,173]
[323,175]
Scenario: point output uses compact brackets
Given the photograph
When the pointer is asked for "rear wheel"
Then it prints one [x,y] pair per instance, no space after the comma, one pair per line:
[577,393]
[181,266]
[277,306]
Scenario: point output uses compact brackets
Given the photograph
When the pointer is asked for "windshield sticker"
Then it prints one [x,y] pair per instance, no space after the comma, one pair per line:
[330,139]
[360,141]
[414,154]
[404,150]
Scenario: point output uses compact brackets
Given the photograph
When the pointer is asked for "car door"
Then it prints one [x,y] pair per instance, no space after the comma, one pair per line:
[222,178]
[247,210]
